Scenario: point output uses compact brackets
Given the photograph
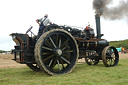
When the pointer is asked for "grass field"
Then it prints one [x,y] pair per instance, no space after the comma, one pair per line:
[81,75]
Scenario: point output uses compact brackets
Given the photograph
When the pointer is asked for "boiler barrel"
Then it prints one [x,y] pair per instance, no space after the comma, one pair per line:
[93,45]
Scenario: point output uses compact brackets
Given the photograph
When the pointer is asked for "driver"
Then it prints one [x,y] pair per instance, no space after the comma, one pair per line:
[43,22]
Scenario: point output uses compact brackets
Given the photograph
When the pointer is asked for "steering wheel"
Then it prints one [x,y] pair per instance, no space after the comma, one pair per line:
[29,29]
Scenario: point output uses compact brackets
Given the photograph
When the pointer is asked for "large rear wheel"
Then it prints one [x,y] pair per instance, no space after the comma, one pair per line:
[57,52]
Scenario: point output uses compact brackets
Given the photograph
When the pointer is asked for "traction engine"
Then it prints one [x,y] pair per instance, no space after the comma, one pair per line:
[59,47]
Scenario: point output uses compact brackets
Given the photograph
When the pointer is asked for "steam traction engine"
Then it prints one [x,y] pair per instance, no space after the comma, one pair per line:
[59,47]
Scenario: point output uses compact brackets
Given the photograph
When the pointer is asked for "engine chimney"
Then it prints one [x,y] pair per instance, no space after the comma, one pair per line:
[99,35]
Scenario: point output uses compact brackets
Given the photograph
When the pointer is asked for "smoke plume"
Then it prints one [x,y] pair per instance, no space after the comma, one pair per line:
[113,13]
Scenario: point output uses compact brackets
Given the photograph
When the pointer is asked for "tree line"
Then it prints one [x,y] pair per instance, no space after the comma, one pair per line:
[121,43]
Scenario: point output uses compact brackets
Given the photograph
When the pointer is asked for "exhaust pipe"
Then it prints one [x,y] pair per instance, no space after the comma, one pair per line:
[99,35]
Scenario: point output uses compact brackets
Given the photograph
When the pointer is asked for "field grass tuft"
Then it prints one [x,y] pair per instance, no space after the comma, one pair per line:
[83,74]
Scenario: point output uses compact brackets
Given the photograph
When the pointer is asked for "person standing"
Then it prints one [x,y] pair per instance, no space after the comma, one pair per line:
[43,22]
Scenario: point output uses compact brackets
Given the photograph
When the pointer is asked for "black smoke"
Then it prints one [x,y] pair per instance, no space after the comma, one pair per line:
[112,13]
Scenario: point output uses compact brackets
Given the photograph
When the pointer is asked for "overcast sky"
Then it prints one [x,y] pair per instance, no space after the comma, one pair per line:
[18,15]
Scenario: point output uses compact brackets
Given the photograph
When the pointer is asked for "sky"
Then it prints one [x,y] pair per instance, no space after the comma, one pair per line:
[16,16]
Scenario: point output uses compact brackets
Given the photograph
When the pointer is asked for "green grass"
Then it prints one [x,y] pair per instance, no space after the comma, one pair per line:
[81,75]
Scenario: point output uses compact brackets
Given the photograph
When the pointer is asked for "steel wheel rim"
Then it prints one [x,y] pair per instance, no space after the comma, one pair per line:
[58,52]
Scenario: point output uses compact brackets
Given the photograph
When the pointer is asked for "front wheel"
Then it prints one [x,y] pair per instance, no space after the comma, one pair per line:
[110,56]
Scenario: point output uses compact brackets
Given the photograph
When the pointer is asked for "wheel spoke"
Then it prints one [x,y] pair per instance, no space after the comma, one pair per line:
[68,51]
[60,43]
[66,55]
[58,65]
[107,56]
[50,45]
[91,61]
[64,48]
[57,40]
[47,48]
[52,42]
[110,62]
[54,63]
[111,51]
[64,43]
[113,59]
[46,53]
[48,57]
[50,63]
[62,63]
[113,56]
[65,60]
